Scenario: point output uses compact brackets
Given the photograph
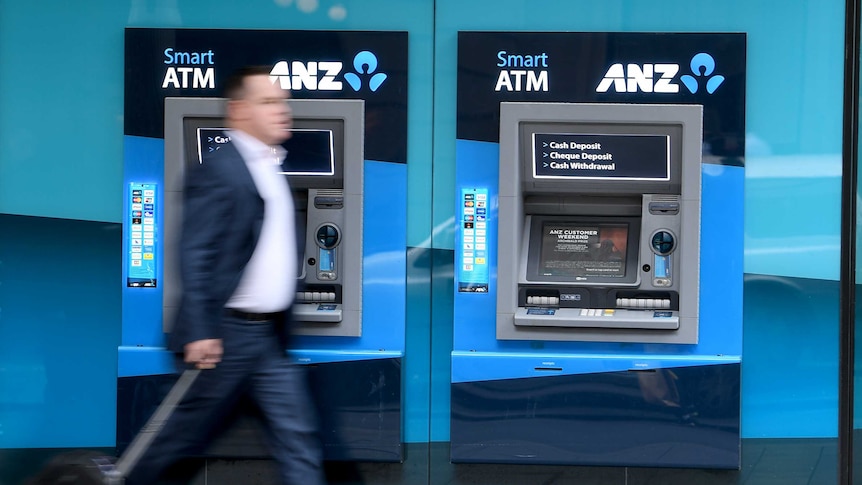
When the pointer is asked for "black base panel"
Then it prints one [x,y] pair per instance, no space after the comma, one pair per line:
[359,403]
[674,417]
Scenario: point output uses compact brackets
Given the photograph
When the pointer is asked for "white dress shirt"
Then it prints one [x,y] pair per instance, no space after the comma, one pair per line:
[268,283]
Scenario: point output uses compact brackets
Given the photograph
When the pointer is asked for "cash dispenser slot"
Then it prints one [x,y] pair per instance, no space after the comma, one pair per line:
[575,297]
[579,204]
[597,308]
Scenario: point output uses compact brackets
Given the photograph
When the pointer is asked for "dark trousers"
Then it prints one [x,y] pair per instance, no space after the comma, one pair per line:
[253,365]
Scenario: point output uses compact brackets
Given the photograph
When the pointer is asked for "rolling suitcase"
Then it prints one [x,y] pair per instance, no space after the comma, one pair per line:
[90,468]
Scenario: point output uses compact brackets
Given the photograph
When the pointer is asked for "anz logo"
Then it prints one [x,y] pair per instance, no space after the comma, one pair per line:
[313,76]
[365,63]
[659,78]
[326,75]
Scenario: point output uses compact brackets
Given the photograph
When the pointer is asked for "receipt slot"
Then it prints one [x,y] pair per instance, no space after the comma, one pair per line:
[599,222]
[324,165]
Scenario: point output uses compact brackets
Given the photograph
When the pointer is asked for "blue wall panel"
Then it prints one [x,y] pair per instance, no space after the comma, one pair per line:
[59,331]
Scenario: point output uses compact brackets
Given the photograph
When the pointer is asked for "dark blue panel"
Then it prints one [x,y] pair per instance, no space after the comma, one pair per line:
[359,404]
[676,417]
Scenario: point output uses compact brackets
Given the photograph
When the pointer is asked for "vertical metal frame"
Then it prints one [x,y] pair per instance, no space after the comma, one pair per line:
[847,291]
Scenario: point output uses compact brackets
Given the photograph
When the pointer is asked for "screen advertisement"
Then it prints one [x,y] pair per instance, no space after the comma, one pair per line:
[574,250]
[584,250]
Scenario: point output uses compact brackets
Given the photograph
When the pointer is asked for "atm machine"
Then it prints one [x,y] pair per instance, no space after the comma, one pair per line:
[324,166]
[340,266]
[348,179]
[601,235]
[597,296]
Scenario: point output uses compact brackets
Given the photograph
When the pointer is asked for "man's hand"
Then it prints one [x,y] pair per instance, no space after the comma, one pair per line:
[204,354]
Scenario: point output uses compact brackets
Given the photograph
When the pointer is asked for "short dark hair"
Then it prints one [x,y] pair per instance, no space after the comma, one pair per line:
[234,87]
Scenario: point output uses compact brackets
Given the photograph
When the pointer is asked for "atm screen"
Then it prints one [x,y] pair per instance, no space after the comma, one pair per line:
[616,156]
[583,249]
[309,152]
[598,250]
[209,140]
[314,150]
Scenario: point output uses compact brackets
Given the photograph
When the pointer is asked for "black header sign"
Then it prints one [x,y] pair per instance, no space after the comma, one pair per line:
[313,64]
[606,67]
[625,157]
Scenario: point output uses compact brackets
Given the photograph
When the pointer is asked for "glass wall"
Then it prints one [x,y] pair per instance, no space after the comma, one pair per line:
[61,73]
[793,156]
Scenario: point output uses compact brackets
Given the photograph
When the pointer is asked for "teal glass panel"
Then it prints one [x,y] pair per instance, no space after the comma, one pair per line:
[793,176]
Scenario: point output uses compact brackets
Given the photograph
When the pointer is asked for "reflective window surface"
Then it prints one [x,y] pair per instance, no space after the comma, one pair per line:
[856,375]
[61,152]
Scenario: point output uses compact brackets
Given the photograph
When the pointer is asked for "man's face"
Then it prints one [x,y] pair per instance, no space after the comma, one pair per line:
[263,112]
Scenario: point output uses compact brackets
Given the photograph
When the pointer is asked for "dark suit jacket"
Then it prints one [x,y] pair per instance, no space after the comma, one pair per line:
[222,219]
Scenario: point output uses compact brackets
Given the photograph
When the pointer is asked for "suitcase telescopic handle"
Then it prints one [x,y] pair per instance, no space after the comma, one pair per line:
[154,425]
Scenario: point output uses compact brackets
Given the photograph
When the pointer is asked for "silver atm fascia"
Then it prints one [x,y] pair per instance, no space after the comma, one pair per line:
[649,302]
[328,302]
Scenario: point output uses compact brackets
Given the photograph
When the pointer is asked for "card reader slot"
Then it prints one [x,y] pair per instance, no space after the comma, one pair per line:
[591,205]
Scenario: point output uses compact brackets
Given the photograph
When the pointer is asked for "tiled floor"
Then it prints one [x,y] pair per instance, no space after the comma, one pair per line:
[764,462]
